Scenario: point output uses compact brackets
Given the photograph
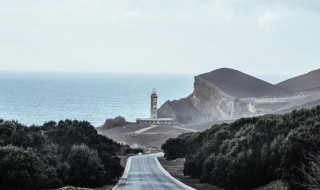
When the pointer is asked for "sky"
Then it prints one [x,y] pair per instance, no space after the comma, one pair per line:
[259,37]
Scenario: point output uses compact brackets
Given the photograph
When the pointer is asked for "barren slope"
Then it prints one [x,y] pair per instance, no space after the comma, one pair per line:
[139,135]
[307,81]
[241,85]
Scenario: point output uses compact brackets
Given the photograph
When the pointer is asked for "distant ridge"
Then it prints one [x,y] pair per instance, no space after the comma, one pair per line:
[303,82]
[227,94]
[241,85]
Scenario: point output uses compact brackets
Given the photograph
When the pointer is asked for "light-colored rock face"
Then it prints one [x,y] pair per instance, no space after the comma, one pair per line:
[216,104]
[209,103]
[206,103]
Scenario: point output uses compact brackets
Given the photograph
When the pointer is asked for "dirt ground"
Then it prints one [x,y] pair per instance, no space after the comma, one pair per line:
[175,168]
[153,137]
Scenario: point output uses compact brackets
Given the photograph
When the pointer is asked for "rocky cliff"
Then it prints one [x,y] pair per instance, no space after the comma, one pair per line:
[206,103]
[227,94]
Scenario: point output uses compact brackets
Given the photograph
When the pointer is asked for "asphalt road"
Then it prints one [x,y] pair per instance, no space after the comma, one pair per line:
[144,173]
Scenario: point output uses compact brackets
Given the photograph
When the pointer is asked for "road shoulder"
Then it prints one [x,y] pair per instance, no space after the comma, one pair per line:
[175,168]
[124,177]
[172,178]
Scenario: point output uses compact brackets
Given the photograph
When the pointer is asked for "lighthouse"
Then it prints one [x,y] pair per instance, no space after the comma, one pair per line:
[154,120]
[153,110]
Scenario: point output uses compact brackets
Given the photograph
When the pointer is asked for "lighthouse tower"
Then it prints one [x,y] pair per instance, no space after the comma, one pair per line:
[153,111]
[154,120]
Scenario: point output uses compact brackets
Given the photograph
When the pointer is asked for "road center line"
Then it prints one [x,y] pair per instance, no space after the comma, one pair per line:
[145,170]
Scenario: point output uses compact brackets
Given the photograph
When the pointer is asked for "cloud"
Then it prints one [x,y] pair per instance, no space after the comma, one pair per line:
[125,16]
[190,36]
[270,20]
[130,14]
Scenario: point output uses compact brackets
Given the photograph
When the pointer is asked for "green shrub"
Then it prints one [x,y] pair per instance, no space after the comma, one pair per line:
[115,122]
[44,156]
[86,169]
[176,147]
[24,169]
[251,152]
[296,150]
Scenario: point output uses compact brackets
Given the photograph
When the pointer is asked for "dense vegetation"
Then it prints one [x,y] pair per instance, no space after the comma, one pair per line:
[251,152]
[57,154]
[114,122]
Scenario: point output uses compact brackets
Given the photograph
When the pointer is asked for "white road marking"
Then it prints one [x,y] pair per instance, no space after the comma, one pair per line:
[145,129]
[192,130]
[145,170]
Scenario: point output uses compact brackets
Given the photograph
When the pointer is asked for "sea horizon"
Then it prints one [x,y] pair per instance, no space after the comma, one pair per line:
[35,97]
[38,97]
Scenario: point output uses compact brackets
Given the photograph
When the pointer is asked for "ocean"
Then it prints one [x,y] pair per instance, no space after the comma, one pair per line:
[34,98]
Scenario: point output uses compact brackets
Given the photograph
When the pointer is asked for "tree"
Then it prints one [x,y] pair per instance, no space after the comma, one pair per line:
[296,150]
[115,122]
[177,147]
[86,169]
[6,130]
[252,152]
[22,169]
[311,172]
[51,155]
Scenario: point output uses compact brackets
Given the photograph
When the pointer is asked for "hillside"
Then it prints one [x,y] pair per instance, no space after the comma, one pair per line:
[241,85]
[227,94]
[220,95]
[206,103]
[253,152]
[306,81]
[142,135]
[307,105]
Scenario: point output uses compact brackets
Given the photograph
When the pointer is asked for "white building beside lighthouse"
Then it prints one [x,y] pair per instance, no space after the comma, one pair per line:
[154,113]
